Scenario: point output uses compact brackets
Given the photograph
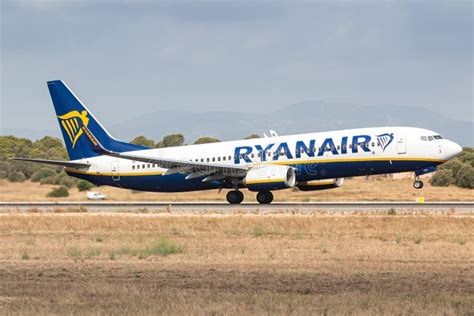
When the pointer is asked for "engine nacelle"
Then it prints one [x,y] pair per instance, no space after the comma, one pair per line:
[270,177]
[320,184]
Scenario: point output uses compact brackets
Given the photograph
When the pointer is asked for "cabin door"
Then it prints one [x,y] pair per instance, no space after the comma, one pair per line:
[115,170]
[401,146]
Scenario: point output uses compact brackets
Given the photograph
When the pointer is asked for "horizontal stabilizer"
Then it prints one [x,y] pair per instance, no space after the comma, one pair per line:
[69,164]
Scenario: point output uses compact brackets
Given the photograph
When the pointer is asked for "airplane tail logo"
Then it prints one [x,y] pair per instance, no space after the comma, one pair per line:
[385,140]
[72,123]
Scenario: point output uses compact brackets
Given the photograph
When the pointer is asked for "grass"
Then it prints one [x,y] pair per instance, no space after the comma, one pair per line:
[352,190]
[258,231]
[392,211]
[74,253]
[92,252]
[161,247]
[99,238]
[229,264]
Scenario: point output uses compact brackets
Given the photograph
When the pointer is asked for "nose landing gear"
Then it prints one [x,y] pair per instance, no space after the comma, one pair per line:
[418,184]
[235,197]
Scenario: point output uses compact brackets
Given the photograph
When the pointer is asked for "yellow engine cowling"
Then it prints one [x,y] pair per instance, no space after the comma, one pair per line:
[320,184]
[270,177]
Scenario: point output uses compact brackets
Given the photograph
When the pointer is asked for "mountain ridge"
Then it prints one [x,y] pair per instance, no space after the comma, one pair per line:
[301,117]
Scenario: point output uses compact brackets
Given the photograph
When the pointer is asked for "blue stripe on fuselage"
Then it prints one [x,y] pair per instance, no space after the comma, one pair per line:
[304,172]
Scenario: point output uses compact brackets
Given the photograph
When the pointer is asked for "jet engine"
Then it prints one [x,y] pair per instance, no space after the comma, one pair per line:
[270,177]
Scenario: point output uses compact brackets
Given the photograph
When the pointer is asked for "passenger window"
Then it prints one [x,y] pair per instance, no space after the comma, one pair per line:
[207,159]
[350,145]
[213,159]
[253,155]
[138,166]
[218,158]
[133,167]
[230,157]
[373,144]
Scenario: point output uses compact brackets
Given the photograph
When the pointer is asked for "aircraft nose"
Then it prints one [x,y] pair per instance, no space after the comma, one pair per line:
[452,149]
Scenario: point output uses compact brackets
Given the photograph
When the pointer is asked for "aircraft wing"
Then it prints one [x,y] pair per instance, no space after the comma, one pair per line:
[196,169]
[70,164]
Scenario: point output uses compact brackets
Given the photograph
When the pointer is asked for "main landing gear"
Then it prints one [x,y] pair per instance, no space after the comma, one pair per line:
[235,197]
[265,197]
[418,184]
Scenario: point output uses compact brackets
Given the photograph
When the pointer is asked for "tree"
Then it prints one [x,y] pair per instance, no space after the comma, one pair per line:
[206,140]
[454,165]
[465,177]
[252,136]
[171,140]
[143,141]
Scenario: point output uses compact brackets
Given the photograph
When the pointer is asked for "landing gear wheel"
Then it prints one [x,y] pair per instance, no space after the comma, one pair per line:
[418,184]
[265,197]
[235,197]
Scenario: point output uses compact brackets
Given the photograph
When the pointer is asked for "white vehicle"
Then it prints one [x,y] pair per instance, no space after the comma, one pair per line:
[95,196]
[313,161]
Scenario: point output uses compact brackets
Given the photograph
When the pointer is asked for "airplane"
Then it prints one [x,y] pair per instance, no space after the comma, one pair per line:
[308,162]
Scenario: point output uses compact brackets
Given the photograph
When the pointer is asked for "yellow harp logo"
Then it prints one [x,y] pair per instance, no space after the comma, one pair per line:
[72,123]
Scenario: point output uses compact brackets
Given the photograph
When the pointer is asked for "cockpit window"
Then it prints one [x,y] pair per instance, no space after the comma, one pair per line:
[423,138]
[430,138]
[438,137]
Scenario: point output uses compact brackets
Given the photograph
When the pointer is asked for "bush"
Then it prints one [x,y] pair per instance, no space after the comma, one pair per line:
[442,178]
[465,177]
[59,192]
[67,182]
[16,177]
[60,176]
[48,180]
[3,174]
[84,185]
[42,173]
[5,167]
[454,165]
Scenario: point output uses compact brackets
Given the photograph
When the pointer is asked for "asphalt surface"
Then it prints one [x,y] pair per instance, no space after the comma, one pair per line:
[222,207]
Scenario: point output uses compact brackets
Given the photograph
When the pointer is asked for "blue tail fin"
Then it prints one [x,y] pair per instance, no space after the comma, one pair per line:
[73,116]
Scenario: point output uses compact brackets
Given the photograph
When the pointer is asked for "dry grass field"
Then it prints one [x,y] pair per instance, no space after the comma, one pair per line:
[357,189]
[236,264]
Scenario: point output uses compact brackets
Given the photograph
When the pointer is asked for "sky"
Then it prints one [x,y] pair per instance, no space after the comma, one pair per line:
[127,58]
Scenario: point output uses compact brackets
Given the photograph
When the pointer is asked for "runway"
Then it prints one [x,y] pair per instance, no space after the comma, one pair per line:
[222,207]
